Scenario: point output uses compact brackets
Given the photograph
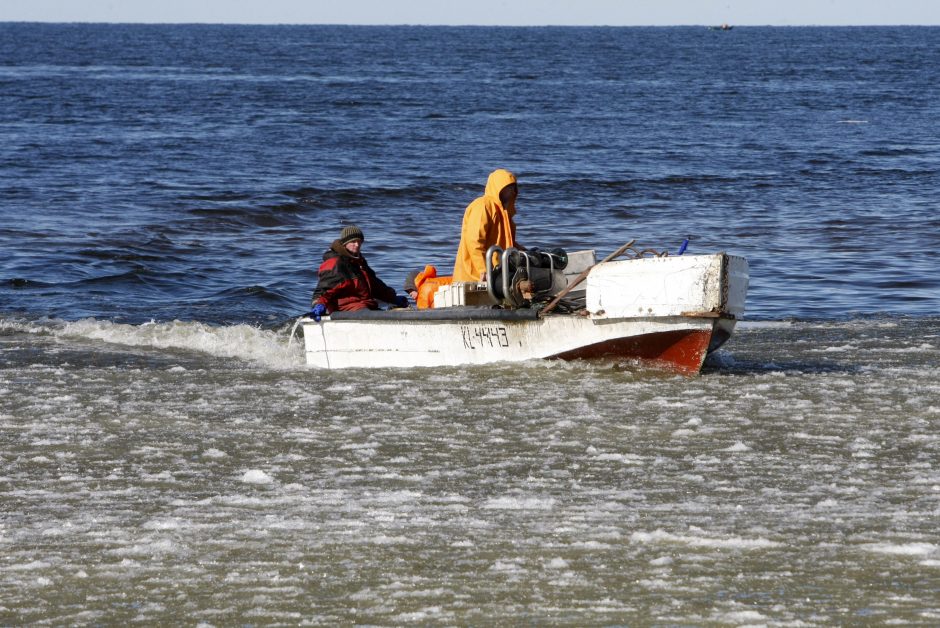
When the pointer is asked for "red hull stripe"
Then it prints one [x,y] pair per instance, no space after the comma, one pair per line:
[683,351]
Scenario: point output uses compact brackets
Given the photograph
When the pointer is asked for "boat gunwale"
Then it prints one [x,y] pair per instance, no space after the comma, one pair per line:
[458,313]
[489,314]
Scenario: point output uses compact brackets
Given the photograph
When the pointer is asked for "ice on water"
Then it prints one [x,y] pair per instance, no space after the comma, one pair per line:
[150,463]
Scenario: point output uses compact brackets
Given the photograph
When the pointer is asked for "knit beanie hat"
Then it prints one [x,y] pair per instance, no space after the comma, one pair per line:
[410,280]
[350,233]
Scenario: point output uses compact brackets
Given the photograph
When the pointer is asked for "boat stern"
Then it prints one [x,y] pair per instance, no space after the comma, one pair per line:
[712,286]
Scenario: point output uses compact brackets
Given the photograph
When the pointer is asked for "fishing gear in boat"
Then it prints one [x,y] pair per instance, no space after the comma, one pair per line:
[523,277]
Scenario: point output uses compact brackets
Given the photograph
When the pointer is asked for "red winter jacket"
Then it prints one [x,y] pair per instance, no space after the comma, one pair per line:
[347,283]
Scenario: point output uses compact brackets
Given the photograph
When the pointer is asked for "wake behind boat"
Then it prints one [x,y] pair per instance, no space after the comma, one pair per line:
[669,311]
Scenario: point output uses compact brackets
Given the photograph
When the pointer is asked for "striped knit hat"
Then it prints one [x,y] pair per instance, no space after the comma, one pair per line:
[350,233]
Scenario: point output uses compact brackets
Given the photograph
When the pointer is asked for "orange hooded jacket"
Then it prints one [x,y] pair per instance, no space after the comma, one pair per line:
[485,223]
[426,283]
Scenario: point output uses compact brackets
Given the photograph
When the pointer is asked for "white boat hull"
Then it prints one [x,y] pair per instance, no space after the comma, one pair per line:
[671,311]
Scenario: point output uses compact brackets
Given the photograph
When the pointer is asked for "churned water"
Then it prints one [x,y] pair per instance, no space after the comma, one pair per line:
[165,457]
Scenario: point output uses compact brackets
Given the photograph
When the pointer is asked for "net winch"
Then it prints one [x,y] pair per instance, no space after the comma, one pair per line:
[522,278]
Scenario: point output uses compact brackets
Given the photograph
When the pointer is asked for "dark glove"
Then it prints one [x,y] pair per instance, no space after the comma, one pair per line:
[318,310]
[401,301]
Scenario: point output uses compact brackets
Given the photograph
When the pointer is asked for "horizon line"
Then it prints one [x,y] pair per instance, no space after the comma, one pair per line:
[472,25]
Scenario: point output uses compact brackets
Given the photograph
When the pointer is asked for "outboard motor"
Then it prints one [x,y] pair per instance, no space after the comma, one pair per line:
[522,277]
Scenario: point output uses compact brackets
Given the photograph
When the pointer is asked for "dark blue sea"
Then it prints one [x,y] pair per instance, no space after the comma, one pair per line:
[197,172]
[166,192]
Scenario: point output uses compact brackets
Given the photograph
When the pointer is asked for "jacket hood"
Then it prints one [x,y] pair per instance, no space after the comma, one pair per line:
[337,249]
[497,180]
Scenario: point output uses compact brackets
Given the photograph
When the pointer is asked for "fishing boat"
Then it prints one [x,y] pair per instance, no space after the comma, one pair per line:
[668,311]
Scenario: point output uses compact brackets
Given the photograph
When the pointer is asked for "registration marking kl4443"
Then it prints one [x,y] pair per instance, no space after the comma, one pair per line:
[478,336]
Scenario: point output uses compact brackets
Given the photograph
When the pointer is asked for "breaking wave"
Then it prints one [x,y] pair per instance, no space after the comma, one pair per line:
[263,347]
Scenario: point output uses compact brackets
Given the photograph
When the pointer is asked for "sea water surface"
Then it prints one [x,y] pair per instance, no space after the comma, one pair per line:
[165,457]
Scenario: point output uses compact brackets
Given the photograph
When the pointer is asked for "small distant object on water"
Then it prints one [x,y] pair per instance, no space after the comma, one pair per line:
[723,27]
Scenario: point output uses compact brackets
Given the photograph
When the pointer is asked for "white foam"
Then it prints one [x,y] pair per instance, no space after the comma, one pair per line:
[418,616]
[162,524]
[703,541]
[902,549]
[557,563]
[749,325]
[385,539]
[31,566]
[156,548]
[22,327]
[629,459]
[507,566]
[835,349]
[519,503]
[243,342]
[742,617]
[256,476]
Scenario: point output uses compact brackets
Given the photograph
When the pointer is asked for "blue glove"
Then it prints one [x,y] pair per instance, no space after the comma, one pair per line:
[401,301]
[318,310]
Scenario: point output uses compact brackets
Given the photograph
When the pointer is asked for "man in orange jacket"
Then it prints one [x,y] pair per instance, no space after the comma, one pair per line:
[488,220]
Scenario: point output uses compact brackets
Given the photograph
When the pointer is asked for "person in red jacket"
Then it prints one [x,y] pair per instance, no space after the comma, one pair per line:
[346,282]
